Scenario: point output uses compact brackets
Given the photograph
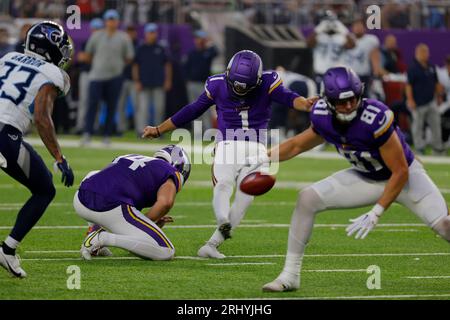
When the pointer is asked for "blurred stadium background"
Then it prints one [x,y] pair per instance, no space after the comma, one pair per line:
[277,30]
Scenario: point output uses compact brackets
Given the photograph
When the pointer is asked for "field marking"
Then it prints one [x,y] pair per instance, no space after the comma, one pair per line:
[265,256]
[337,270]
[399,296]
[428,277]
[239,264]
[259,225]
[130,146]
[292,185]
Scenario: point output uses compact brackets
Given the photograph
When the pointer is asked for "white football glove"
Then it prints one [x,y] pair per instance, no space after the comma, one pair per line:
[364,223]
[322,27]
[256,161]
[340,28]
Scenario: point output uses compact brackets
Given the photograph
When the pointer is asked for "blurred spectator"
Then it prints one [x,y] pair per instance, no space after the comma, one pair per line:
[391,56]
[198,69]
[128,89]
[444,79]
[109,50]
[423,99]
[152,74]
[83,79]
[364,58]
[19,47]
[290,121]
[329,40]
[443,75]
[5,46]
[395,15]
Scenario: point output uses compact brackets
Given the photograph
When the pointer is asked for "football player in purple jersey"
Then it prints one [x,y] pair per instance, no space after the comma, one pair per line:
[243,97]
[112,199]
[383,170]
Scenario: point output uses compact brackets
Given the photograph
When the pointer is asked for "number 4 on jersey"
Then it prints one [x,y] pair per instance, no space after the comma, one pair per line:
[137,161]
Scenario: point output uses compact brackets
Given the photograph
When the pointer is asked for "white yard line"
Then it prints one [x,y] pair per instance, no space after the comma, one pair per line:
[266,256]
[151,147]
[399,296]
[239,264]
[429,277]
[258,225]
[293,185]
[337,270]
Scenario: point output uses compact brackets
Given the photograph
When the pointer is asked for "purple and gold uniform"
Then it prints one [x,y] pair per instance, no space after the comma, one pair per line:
[132,179]
[360,140]
[235,114]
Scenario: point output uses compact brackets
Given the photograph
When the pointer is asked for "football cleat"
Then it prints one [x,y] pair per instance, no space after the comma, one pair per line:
[225,230]
[103,251]
[209,251]
[12,264]
[91,244]
[282,285]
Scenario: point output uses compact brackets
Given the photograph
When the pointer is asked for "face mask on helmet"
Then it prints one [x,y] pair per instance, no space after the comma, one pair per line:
[342,90]
[342,104]
[178,158]
[244,72]
[48,41]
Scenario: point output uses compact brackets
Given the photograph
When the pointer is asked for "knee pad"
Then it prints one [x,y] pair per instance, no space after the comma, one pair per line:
[309,199]
[443,228]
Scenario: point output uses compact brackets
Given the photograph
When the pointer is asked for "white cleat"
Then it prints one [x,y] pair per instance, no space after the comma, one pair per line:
[208,251]
[91,244]
[11,264]
[102,252]
[279,285]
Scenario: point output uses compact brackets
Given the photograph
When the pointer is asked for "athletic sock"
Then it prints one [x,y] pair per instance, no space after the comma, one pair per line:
[216,239]
[9,246]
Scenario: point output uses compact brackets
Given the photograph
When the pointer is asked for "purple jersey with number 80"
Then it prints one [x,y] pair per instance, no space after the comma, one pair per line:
[360,141]
[237,116]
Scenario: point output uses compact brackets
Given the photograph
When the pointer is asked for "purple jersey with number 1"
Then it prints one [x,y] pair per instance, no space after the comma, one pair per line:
[237,116]
[360,140]
[130,179]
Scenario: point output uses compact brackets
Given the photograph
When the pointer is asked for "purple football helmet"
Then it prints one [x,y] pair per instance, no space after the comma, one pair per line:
[341,84]
[177,157]
[244,72]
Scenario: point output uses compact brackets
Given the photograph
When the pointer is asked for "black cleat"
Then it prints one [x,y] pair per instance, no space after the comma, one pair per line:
[225,230]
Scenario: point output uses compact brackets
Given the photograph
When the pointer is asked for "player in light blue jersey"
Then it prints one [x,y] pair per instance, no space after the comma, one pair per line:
[29,84]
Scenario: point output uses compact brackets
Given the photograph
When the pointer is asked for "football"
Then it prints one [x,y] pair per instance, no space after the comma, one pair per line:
[256,183]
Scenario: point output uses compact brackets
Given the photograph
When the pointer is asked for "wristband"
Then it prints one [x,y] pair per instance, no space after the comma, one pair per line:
[159,133]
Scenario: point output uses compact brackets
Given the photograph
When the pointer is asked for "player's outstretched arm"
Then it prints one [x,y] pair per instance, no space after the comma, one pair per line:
[302,142]
[185,115]
[305,104]
[165,200]
[392,154]
[43,108]
[154,132]
[394,157]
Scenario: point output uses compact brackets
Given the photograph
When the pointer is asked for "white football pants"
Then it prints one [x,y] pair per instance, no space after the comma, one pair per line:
[129,229]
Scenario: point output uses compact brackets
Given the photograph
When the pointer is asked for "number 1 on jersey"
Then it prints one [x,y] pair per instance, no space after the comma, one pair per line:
[244,118]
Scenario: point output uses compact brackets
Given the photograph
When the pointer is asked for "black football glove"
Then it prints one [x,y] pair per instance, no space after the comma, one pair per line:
[67,173]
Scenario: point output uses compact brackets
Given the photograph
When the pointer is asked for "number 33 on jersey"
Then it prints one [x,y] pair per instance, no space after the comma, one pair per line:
[21,77]
[359,142]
